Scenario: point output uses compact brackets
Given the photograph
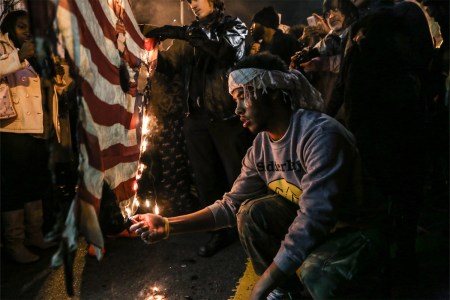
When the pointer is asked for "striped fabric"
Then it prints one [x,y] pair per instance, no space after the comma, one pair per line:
[108,133]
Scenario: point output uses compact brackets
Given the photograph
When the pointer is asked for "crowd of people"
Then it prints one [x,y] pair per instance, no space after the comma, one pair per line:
[303,146]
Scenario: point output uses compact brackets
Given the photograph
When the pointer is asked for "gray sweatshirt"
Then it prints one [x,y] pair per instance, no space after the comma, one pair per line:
[313,165]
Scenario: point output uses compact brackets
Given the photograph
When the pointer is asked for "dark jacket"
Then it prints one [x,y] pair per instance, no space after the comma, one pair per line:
[204,61]
[283,45]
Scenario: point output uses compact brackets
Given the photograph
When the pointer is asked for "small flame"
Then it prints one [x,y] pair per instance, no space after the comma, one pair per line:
[156,210]
[145,125]
[136,201]
[147,203]
[144,145]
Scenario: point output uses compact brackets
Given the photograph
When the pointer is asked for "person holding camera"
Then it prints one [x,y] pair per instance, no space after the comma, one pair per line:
[321,63]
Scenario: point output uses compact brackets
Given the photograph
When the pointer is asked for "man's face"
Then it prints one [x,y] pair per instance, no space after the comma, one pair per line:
[201,8]
[335,19]
[22,30]
[253,112]
[358,3]
[256,31]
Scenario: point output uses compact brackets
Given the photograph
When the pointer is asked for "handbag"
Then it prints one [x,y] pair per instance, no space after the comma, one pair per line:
[7,110]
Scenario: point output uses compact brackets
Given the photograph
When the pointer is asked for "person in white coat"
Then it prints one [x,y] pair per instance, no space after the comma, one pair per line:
[25,176]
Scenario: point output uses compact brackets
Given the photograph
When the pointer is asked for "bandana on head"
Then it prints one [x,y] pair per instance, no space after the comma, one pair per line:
[293,85]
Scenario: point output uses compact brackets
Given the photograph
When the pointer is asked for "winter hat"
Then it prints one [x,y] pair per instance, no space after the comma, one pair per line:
[267,17]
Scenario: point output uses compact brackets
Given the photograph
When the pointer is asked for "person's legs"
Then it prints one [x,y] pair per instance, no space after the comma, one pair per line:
[209,175]
[262,224]
[24,180]
[350,265]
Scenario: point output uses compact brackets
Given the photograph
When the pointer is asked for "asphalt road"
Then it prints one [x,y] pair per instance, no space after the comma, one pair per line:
[172,270]
[131,269]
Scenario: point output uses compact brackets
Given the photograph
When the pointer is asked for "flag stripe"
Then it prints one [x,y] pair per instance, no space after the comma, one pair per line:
[104,113]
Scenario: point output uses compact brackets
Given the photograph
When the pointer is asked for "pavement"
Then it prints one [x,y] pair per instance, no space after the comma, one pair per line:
[171,269]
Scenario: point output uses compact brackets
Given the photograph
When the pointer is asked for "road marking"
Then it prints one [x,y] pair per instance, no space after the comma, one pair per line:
[246,283]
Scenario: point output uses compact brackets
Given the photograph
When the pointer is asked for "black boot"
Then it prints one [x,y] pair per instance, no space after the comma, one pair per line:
[219,240]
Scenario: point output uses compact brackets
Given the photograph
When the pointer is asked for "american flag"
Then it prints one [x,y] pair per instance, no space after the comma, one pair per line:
[93,32]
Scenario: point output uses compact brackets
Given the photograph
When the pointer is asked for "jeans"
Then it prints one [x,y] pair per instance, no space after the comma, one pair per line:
[349,264]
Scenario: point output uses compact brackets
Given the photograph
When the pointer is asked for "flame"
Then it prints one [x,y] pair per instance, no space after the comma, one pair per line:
[147,203]
[135,202]
[144,146]
[145,125]
[156,210]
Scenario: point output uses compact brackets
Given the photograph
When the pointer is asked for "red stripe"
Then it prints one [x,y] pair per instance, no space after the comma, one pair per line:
[110,157]
[92,148]
[103,113]
[119,153]
[131,59]
[137,38]
[108,29]
[109,71]
[125,190]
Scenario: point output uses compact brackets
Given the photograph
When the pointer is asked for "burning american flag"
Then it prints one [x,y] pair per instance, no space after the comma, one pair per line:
[104,42]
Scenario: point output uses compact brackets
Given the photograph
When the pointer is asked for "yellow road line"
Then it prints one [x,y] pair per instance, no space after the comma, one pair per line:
[246,283]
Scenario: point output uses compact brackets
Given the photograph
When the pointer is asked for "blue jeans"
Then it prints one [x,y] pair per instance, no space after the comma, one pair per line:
[349,264]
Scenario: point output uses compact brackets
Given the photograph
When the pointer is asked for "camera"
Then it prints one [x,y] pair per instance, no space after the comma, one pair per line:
[305,55]
[311,21]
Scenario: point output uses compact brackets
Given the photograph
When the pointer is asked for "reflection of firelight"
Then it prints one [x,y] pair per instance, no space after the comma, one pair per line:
[155,294]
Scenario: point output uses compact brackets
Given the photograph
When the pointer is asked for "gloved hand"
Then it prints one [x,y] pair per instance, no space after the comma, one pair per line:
[168,32]
[195,36]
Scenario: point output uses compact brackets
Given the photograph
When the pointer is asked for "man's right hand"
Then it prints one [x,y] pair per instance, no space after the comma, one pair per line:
[151,227]
[168,32]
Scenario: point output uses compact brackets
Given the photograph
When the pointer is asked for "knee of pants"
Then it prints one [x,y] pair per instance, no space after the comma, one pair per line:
[255,214]
[247,217]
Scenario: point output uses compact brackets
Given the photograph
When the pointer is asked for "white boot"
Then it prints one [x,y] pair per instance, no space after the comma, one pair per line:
[14,234]
[34,219]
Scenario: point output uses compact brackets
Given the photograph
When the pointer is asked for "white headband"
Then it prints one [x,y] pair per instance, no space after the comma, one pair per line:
[302,93]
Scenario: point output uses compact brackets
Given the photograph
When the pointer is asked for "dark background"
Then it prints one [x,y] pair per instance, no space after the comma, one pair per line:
[162,12]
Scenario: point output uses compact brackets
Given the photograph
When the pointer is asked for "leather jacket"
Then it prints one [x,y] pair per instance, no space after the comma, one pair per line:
[204,61]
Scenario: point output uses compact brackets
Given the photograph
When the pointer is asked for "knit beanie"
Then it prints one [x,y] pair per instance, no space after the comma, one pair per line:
[267,17]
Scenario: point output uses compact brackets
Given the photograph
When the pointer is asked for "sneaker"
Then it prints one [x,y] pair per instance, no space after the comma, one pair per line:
[280,294]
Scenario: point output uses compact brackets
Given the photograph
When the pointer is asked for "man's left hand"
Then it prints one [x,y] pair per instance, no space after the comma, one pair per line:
[267,282]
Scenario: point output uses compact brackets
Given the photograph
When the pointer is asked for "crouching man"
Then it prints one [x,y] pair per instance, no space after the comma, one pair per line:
[297,203]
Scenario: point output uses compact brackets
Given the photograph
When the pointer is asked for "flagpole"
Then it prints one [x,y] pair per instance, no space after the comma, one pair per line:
[181,12]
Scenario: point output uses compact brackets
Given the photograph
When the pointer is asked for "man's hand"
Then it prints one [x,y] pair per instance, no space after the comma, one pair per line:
[316,64]
[168,32]
[268,281]
[151,227]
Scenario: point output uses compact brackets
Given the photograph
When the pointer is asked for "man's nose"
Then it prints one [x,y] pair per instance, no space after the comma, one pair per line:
[240,110]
